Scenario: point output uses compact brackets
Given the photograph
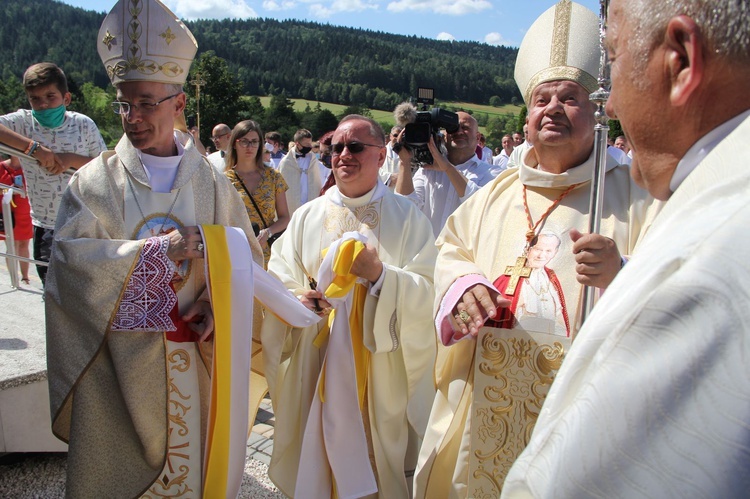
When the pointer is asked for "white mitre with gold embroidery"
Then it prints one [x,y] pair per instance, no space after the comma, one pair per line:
[562,44]
[142,40]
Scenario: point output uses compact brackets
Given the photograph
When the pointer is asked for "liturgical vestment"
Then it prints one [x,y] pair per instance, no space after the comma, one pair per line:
[295,177]
[397,334]
[129,399]
[490,388]
[653,399]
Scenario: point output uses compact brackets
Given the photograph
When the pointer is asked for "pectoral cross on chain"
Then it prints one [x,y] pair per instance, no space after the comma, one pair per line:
[516,272]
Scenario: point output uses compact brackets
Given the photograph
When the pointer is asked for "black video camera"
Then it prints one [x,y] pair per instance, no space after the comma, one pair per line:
[428,123]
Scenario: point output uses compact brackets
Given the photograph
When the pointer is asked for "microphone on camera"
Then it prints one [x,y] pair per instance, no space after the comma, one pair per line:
[405,113]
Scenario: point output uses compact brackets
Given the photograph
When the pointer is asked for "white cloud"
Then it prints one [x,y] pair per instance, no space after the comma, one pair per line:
[496,38]
[211,9]
[446,36]
[337,6]
[274,6]
[449,7]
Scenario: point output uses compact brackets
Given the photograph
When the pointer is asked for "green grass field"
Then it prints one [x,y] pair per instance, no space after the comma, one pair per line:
[489,110]
[387,116]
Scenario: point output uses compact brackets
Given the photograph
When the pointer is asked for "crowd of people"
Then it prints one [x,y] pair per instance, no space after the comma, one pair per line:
[449,357]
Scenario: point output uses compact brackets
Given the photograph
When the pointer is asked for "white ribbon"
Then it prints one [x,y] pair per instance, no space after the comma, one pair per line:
[335,432]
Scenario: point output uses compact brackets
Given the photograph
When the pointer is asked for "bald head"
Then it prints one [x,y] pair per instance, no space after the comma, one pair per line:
[221,128]
[462,144]
[220,136]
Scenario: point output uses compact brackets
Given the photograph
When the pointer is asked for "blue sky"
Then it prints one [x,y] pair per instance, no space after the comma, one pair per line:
[497,22]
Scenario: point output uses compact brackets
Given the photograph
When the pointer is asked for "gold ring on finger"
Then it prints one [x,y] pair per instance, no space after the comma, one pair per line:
[464,316]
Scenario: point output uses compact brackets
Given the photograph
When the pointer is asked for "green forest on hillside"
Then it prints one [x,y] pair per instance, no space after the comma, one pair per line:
[303,59]
[356,69]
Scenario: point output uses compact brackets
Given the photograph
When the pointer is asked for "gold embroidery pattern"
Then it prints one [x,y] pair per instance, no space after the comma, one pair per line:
[560,34]
[168,35]
[179,360]
[506,411]
[560,73]
[340,219]
[108,39]
[134,60]
[173,483]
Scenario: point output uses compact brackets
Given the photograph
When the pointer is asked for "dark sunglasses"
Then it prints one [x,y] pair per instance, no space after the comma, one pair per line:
[354,147]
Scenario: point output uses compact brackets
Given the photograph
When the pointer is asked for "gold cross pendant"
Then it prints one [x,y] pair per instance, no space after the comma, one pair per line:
[516,272]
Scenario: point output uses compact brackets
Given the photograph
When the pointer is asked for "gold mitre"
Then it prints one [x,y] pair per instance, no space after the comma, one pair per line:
[562,44]
[142,40]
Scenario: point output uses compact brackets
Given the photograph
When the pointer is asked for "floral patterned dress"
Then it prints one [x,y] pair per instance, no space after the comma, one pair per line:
[271,184]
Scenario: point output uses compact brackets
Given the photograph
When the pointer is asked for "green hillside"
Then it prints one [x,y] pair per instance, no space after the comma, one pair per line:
[387,116]
[306,60]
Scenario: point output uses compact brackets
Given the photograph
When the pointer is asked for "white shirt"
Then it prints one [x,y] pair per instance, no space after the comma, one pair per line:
[487,154]
[162,170]
[217,160]
[390,165]
[325,172]
[619,155]
[437,198]
[304,163]
[500,162]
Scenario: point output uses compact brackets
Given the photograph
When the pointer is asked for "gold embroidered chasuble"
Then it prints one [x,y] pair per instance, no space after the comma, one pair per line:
[491,388]
[130,403]
[398,333]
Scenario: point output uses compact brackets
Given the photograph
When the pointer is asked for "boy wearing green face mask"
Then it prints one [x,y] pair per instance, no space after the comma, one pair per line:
[74,137]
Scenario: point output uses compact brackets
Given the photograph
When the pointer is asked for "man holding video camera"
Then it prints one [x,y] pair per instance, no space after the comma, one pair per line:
[439,188]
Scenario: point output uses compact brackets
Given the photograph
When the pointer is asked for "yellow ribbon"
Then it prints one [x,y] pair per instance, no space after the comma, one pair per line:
[340,286]
[217,451]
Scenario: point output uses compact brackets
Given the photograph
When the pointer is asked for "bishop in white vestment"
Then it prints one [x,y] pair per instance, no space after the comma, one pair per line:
[128,312]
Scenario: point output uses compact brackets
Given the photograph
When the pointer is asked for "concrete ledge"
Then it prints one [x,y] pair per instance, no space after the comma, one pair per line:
[25,419]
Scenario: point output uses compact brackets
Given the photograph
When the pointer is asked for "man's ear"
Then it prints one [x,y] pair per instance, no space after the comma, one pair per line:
[381,156]
[684,59]
[67,97]
[180,103]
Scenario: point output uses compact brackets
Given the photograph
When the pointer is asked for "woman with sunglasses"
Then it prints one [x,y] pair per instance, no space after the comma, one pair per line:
[262,188]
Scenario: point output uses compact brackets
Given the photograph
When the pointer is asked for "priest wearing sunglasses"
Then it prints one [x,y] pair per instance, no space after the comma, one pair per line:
[351,394]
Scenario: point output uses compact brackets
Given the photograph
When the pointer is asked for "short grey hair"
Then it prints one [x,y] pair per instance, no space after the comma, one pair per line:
[175,88]
[725,24]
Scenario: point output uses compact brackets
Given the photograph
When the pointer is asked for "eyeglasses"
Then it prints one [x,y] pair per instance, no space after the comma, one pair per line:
[217,137]
[354,147]
[124,108]
[248,143]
